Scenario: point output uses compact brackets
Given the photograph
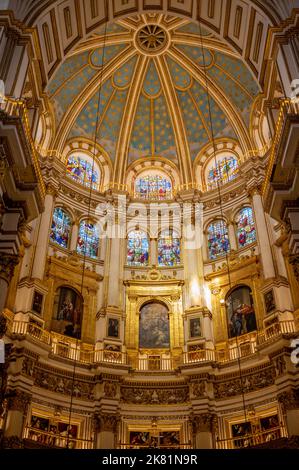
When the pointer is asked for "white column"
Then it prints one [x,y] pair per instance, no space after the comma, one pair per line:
[154,252]
[74,237]
[114,273]
[232,236]
[263,236]
[43,237]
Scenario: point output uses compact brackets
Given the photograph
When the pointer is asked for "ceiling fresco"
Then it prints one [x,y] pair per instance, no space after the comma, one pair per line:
[173,84]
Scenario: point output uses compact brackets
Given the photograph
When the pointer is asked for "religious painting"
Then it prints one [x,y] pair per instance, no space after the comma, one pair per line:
[82,171]
[154,326]
[194,328]
[269,301]
[270,422]
[37,302]
[246,233]
[218,241]
[139,439]
[224,170]
[68,312]
[113,327]
[241,432]
[60,228]
[67,434]
[88,239]
[153,187]
[169,439]
[240,312]
[169,249]
[138,248]
[39,423]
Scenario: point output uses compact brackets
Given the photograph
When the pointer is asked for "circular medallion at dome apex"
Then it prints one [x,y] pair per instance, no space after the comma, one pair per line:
[152,39]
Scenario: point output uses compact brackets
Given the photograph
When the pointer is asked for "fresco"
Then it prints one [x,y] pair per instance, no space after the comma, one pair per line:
[154,326]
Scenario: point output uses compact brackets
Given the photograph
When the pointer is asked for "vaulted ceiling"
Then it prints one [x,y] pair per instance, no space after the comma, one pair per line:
[141,84]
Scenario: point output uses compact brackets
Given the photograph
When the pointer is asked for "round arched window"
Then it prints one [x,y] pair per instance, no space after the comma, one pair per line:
[83,170]
[153,185]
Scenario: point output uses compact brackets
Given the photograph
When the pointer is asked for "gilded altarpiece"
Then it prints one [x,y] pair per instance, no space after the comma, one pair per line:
[156,290]
[67,272]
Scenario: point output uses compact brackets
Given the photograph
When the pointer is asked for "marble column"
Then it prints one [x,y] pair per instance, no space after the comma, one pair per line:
[204,426]
[18,403]
[105,427]
[232,236]
[153,252]
[263,235]
[114,273]
[74,236]
[40,255]
[289,401]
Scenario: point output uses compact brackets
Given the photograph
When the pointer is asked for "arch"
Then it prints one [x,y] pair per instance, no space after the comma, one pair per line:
[154,331]
[81,168]
[169,248]
[240,311]
[137,248]
[153,185]
[67,311]
[88,239]
[158,164]
[222,146]
[93,151]
[60,232]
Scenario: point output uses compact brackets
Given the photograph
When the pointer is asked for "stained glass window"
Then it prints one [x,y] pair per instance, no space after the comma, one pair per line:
[218,241]
[169,250]
[246,232]
[138,248]
[82,171]
[225,170]
[60,228]
[153,187]
[88,239]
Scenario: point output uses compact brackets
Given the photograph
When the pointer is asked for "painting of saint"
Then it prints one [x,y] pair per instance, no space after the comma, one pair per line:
[240,312]
[195,330]
[113,327]
[37,302]
[67,316]
[154,326]
[241,432]
[269,301]
[169,440]
[139,438]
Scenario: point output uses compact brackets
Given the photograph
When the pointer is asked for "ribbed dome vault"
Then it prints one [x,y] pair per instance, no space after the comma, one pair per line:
[153,99]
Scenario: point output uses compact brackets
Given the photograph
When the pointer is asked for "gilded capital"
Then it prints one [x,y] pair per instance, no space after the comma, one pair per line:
[19,401]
